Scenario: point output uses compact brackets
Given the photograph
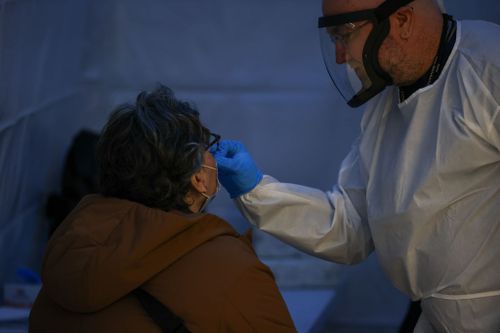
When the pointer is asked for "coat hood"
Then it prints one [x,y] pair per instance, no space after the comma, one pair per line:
[107,247]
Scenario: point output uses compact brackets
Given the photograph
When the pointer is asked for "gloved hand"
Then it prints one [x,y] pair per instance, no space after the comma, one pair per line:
[237,170]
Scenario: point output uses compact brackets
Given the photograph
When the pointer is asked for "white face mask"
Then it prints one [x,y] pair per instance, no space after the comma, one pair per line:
[210,198]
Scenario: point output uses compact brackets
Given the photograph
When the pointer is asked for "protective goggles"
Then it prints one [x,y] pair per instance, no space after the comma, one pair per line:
[357,80]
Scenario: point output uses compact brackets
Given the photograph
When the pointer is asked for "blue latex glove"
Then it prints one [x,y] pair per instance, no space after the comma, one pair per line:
[237,170]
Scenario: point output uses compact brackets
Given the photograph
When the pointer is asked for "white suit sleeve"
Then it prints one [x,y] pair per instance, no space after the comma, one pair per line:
[329,225]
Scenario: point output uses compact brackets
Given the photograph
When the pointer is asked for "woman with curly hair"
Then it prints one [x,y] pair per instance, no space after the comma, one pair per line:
[146,238]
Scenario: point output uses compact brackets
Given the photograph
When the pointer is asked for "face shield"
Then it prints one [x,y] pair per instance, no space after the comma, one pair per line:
[350,59]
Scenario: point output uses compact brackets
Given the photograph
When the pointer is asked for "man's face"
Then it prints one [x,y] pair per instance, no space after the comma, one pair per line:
[351,38]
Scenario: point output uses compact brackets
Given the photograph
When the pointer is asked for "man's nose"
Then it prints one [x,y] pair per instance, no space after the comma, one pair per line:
[340,53]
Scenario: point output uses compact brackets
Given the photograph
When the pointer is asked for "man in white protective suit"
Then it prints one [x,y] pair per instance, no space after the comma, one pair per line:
[421,184]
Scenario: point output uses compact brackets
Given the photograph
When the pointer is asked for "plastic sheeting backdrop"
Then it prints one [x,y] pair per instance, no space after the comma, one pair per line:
[253,68]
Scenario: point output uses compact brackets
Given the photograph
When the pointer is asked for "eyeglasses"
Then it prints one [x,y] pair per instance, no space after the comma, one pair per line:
[345,31]
[213,140]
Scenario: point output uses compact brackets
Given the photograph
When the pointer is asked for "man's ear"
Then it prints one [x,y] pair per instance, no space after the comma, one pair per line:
[199,181]
[404,20]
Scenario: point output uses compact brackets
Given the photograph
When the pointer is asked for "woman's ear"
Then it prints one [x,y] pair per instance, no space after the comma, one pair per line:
[199,181]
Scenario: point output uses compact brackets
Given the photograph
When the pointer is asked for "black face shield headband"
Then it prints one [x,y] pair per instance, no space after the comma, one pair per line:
[377,77]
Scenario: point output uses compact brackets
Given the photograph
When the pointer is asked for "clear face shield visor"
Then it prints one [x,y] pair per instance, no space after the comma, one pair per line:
[351,54]
[342,49]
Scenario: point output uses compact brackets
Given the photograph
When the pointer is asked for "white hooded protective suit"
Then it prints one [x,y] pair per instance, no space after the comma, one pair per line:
[421,185]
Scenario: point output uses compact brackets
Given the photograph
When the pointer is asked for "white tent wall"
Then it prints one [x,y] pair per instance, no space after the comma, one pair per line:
[253,69]
[40,109]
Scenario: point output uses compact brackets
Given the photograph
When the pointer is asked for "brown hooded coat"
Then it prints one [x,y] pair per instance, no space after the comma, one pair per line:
[196,265]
